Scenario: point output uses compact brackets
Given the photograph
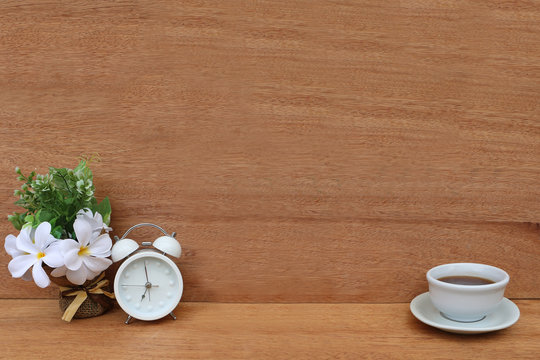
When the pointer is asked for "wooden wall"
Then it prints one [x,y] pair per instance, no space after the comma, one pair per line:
[304,151]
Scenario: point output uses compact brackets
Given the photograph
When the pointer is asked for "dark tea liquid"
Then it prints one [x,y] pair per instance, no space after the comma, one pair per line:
[466,280]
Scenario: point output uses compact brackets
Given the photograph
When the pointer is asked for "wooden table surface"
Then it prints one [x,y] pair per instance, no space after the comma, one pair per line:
[32,328]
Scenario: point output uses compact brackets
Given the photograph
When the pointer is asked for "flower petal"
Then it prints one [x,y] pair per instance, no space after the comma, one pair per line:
[60,271]
[101,246]
[84,212]
[25,244]
[27,275]
[50,239]
[95,221]
[98,218]
[28,231]
[91,275]
[11,246]
[72,259]
[43,233]
[96,264]
[83,230]
[97,224]
[18,266]
[40,276]
[69,244]
[77,277]
[54,256]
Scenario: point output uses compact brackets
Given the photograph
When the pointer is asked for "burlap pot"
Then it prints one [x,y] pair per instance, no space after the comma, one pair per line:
[89,308]
[95,304]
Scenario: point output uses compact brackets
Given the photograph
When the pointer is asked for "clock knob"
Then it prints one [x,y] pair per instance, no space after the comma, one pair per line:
[123,248]
[168,245]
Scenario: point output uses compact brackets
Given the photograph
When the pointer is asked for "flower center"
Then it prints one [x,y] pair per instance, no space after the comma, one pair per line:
[40,255]
[83,251]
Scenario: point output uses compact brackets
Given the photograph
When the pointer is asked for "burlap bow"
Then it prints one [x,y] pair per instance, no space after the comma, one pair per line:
[81,293]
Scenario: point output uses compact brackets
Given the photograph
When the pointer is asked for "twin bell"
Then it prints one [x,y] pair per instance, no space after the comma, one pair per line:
[166,244]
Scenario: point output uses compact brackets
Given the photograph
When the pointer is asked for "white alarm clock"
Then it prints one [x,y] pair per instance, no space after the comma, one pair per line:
[148,285]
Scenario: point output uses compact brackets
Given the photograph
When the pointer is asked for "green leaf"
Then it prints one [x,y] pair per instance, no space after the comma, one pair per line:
[29,219]
[56,198]
[58,179]
[93,204]
[20,202]
[57,232]
[36,217]
[44,215]
[104,208]
[52,222]
[17,220]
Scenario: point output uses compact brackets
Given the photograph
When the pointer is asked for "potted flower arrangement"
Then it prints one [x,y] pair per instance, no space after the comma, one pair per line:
[63,237]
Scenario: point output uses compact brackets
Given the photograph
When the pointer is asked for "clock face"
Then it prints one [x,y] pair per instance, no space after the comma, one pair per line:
[148,285]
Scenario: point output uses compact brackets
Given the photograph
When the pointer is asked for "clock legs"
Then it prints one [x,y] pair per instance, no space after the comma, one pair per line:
[129,318]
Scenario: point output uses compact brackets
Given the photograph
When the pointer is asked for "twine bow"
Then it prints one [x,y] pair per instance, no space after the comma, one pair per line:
[81,293]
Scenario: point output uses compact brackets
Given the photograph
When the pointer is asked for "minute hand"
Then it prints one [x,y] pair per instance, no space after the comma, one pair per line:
[146,271]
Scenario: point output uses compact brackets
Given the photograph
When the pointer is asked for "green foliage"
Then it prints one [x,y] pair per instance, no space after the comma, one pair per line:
[104,208]
[56,198]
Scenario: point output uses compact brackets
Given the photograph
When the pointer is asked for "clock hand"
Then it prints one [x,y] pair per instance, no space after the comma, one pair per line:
[148,284]
[140,285]
[143,295]
[146,271]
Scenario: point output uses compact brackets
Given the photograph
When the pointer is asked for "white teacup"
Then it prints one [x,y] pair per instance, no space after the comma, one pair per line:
[466,303]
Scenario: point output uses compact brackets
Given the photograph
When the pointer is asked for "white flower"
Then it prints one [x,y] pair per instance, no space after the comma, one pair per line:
[63,271]
[95,220]
[10,245]
[87,257]
[31,251]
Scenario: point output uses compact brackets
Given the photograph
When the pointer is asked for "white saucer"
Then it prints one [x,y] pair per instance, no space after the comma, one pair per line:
[506,315]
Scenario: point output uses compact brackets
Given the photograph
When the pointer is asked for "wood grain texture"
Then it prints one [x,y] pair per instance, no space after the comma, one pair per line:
[259,331]
[372,261]
[304,150]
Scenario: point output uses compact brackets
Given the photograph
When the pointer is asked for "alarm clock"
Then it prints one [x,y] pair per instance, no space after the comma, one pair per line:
[148,285]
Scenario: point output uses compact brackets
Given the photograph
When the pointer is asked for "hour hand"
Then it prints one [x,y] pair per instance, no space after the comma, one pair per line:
[143,295]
